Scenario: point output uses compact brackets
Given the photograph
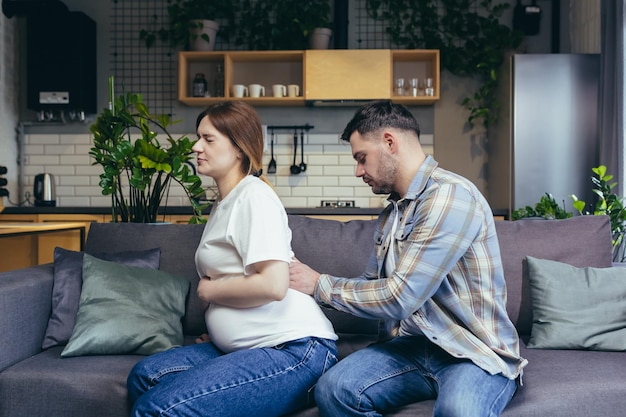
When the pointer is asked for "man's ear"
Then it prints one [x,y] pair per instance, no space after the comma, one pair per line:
[390,141]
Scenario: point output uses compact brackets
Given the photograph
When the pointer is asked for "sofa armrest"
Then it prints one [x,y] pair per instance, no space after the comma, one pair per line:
[25,306]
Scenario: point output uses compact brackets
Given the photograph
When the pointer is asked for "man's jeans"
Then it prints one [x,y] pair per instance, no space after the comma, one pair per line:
[406,370]
[201,380]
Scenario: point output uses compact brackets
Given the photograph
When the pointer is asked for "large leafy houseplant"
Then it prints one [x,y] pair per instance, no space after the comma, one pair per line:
[138,173]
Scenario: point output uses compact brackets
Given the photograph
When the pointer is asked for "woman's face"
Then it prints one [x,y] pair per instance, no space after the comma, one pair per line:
[217,157]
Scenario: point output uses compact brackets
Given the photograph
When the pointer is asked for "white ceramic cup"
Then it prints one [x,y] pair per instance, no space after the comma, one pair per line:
[256,90]
[279,90]
[293,90]
[240,90]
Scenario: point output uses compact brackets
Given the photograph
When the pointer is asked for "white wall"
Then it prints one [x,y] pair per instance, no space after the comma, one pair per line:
[329,174]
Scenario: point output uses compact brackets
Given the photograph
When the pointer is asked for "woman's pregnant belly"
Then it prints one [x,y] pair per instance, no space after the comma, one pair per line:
[294,317]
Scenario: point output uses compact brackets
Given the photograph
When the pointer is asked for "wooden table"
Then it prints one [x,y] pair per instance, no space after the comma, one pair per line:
[22,229]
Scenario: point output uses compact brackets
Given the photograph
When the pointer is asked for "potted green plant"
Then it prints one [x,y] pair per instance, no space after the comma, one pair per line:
[546,208]
[280,24]
[193,24]
[137,170]
[314,20]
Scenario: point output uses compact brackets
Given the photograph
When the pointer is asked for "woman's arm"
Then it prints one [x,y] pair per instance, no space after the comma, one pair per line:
[268,283]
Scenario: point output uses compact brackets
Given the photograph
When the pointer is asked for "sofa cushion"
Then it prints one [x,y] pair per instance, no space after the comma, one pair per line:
[179,243]
[577,308]
[68,271]
[125,309]
[48,385]
[569,383]
[581,241]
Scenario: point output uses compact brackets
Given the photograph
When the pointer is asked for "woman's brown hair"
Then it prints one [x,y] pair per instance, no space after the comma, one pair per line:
[241,124]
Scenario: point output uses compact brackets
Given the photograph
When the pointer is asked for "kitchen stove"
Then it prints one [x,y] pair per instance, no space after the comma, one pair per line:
[337,204]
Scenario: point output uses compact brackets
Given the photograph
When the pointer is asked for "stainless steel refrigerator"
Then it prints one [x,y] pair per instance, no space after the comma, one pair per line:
[546,139]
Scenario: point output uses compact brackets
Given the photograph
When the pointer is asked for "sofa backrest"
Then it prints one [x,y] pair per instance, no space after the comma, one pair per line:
[340,249]
[329,246]
[343,248]
[581,241]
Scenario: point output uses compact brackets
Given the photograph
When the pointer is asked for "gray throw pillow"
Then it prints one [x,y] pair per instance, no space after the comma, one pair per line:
[577,308]
[127,310]
[67,284]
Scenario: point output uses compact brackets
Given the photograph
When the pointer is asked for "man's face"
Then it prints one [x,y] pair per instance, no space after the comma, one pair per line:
[375,163]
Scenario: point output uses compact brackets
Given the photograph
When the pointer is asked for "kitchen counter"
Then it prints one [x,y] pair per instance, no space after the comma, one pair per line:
[305,211]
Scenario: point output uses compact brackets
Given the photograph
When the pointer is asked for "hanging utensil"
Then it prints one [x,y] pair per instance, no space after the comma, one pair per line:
[302,164]
[271,167]
[294,168]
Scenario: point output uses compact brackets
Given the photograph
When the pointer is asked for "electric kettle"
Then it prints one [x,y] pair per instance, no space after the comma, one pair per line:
[45,194]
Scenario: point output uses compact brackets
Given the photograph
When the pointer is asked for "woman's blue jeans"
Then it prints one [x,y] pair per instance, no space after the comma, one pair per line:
[405,370]
[201,380]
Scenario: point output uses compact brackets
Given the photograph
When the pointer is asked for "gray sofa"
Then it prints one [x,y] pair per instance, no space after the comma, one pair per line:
[557,383]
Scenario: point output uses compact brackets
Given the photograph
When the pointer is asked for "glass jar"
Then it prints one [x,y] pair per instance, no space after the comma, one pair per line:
[199,86]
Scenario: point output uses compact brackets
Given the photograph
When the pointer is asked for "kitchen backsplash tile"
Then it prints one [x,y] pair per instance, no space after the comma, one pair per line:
[329,174]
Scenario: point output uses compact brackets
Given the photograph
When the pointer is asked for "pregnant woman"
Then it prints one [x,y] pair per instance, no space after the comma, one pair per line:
[267,344]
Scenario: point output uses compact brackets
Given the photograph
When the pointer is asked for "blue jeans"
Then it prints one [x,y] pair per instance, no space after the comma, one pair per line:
[405,370]
[201,380]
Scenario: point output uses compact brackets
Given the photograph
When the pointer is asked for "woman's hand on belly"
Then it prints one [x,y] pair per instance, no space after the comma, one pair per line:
[268,283]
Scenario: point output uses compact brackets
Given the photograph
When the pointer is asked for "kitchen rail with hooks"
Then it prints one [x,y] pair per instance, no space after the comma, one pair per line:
[295,168]
[306,127]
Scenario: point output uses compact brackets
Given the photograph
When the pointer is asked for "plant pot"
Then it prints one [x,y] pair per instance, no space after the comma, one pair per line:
[202,28]
[319,38]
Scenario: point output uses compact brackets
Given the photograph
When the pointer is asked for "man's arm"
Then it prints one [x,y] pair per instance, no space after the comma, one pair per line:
[440,237]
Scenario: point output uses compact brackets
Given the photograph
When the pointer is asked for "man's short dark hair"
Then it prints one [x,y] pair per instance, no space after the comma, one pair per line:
[380,114]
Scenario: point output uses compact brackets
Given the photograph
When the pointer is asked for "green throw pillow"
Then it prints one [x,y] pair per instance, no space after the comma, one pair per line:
[577,308]
[127,310]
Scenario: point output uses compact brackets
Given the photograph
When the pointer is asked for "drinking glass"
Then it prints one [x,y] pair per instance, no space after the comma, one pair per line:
[399,84]
[414,87]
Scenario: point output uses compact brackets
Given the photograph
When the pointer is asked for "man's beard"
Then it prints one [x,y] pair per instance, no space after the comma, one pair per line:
[386,174]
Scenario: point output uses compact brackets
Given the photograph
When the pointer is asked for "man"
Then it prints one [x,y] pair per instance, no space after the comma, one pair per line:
[436,279]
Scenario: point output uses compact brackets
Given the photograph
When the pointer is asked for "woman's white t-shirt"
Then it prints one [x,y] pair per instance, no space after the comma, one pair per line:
[248,226]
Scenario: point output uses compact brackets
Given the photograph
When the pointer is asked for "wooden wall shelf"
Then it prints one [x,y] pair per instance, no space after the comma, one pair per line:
[322,75]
